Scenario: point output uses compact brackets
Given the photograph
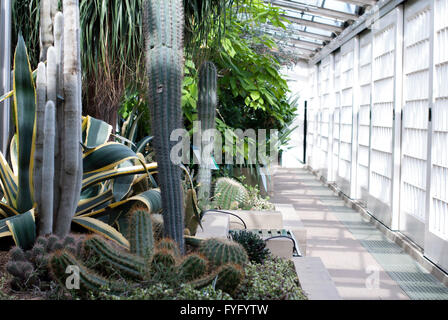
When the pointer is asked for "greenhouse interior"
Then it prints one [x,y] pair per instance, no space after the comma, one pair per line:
[250,150]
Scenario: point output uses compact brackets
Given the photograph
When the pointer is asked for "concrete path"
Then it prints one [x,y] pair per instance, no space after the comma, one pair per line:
[354,271]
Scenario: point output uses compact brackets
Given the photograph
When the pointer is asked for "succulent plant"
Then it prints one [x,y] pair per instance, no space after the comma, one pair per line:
[255,246]
[222,251]
[207,102]
[163,31]
[229,194]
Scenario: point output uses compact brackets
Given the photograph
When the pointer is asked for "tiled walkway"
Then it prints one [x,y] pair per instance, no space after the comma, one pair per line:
[362,262]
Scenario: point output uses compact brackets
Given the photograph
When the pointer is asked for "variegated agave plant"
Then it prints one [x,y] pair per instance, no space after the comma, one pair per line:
[114,176]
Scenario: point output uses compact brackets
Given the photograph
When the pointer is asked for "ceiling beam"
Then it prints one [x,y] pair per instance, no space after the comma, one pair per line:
[296,47]
[280,36]
[361,3]
[310,9]
[314,24]
[293,31]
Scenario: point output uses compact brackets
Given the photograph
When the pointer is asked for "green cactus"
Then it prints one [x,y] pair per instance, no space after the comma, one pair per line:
[141,237]
[23,273]
[111,260]
[192,267]
[88,280]
[163,31]
[157,226]
[170,245]
[207,102]
[229,277]
[222,251]
[229,194]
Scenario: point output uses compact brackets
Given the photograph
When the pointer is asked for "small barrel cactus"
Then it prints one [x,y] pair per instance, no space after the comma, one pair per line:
[229,194]
[193,266]
[222,251]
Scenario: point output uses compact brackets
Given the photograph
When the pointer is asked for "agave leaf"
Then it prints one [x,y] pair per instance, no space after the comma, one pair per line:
[90,204]
[6,96]
[25,118]
[8,182]
[95,178]
[106,156]
[96,133]
[7,211]
[13,155]
[99,227]
[122,185]
[22,228]
[142,144]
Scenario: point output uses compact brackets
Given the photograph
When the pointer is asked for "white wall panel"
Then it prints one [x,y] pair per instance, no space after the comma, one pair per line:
[337,111]
[436,236]
[365,99]
[416,71]
[343,177]
[382,127]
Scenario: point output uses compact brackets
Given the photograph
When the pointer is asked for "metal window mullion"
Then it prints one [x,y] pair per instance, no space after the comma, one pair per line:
[431,102]
[331,91]
[398,97]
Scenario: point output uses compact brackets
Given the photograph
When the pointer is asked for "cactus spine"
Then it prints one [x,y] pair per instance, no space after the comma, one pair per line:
[207,102]
[223,251]
[141,237]
[229,194]
[164,59]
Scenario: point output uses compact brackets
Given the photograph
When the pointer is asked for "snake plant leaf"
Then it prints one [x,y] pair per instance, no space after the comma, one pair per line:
[95,178]
[99,227]
[8,182]
[22,228]
[106,156]
[25,121]
[96,133]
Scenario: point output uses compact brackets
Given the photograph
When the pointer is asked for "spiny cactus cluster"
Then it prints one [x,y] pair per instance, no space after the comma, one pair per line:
[102,264]
[120,271]
[230,194]
[30,268]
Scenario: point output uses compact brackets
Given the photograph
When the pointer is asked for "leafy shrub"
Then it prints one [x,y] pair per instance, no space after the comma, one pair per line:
[253,243]
[275,279]
[162,291]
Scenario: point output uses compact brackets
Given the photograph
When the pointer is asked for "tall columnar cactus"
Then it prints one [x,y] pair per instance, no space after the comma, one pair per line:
[141,237]
[46,213]
[62,157]
[207,102]
[229,194]
[221,251]
[164,59]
